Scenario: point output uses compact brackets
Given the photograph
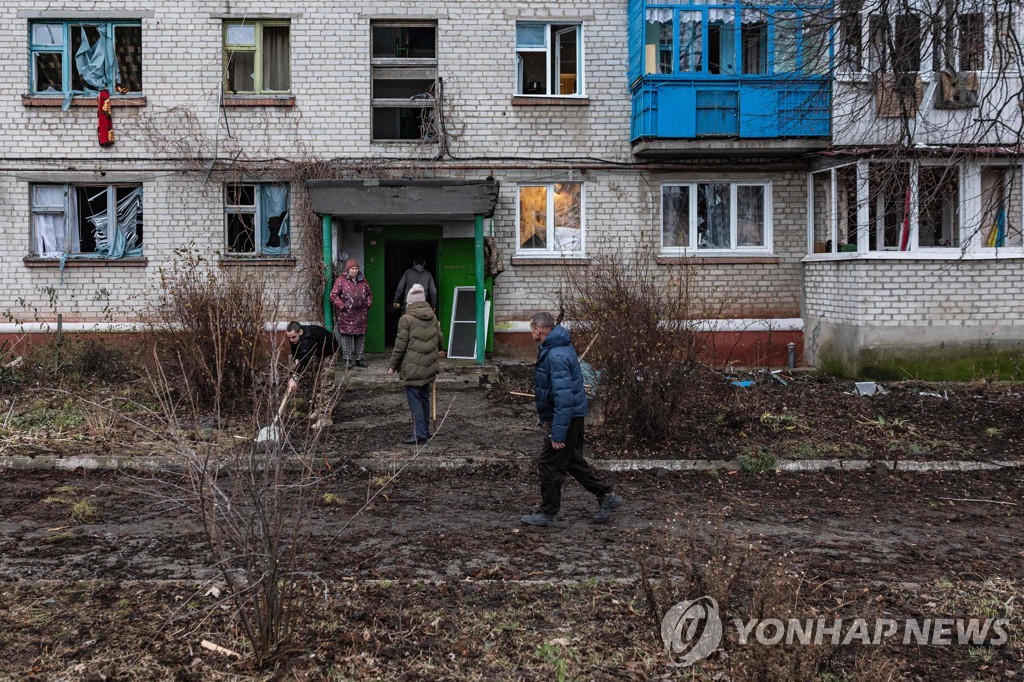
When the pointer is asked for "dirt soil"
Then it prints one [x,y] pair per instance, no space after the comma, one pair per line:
[438,579]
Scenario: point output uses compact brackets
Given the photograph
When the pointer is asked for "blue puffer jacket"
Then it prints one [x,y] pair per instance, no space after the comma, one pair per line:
[558,384]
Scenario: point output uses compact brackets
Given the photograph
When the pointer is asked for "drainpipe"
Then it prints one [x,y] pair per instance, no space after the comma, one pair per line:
[328,258]
[481,337]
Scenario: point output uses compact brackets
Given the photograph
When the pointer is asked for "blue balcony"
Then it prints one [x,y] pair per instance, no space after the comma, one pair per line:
[730,71]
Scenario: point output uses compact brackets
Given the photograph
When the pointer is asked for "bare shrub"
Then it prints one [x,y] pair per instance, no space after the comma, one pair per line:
[255,502]
[635,322]
[209,327]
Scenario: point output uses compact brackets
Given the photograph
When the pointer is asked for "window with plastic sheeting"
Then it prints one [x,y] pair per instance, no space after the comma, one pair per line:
[551,219]
[93,221]
[715,217]
[76,57]
[257,219]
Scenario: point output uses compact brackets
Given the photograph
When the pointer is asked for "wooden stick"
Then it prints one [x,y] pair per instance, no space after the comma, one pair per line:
[207,644]
[971,499]
[587,349]
[525,395]
[433,401]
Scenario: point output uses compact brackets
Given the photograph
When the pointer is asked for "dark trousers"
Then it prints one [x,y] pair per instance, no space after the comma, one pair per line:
[419,404]
[555,464]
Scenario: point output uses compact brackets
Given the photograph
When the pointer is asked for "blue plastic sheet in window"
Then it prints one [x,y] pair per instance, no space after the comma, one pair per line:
[274,227]
[95,63]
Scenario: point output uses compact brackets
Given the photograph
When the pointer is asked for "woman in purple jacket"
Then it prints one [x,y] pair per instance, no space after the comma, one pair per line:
[352,299]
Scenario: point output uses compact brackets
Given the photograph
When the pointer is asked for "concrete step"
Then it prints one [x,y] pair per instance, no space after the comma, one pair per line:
[455,374]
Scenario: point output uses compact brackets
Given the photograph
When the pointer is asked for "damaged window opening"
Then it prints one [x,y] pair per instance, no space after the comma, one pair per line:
[74,221]
[75,57]
[257,57]
[715,216]
[404,80]
[549,59]
[938,191]
[256,219]
[551,219]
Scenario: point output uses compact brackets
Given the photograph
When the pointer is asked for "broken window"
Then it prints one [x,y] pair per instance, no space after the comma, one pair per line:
[754,41]
[971,34]
[551,219]
[938,207]
[403,60]
[256,219]
[716,216]
[87,220]
[257,57]
[850,36]
[889,207]
[549,58]
[1001,205]
[658,41]
[906,53]
[85,57]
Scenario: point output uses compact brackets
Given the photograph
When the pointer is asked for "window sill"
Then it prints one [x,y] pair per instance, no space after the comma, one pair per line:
[259,261]
[549,101]
[549,260]
[716,260]
[81,101]
[937,254]
[259,101]
[36,262]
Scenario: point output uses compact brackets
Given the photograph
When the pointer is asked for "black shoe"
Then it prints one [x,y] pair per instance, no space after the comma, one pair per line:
[609,502]
[413,440]
[539,519]
[361,363]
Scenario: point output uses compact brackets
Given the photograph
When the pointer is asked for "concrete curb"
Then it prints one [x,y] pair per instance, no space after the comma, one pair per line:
[386,462]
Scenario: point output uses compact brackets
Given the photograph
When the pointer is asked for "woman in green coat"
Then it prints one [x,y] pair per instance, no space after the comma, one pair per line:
[416,360]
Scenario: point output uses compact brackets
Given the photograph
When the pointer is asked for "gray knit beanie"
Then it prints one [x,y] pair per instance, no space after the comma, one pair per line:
[416,295]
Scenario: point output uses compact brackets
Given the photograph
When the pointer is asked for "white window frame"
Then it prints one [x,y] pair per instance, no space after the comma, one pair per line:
[550,51]
[68,187]
[552,251]
[734,249]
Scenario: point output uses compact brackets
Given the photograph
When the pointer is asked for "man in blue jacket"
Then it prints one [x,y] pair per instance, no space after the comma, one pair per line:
[562,407]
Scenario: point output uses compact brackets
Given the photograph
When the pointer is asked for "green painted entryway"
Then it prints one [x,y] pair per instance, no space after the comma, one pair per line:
[389,251]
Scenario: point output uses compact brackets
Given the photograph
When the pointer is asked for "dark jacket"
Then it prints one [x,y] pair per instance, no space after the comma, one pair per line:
[315,342]
[416,346]
[352,299]
[558,384]
[417,274]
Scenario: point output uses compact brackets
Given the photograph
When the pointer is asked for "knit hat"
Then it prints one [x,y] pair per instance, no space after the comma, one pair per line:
[416,295]
[351,263]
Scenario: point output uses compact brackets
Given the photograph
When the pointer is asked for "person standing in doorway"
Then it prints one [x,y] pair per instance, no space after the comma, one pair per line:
[416,360]
[352,299]
[417,274]
[561,409]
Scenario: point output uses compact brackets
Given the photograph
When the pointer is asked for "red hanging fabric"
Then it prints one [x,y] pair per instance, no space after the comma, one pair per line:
[905,229]
[105,126]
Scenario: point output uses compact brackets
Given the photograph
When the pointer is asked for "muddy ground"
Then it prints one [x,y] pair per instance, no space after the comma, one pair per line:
[437,579]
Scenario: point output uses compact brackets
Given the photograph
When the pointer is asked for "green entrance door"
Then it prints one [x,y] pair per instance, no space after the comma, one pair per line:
[389,251]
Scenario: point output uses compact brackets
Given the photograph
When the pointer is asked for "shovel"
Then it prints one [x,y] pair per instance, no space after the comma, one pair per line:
[272,433]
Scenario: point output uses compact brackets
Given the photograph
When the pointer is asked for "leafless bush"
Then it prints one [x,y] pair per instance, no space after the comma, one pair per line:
[255,502]
[210,328]
[640,340]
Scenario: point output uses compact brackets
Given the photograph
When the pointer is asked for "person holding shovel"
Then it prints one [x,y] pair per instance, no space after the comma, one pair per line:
[313,348]
[415,359]
[561,401]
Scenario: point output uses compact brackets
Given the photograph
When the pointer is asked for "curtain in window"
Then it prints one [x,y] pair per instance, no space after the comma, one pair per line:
[274,227]
[787,33]
[691,49]
[94,63]
[275,58]
[659,15]
[49,233]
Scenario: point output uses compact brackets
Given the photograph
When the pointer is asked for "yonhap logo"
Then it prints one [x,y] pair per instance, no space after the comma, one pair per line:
[693,629]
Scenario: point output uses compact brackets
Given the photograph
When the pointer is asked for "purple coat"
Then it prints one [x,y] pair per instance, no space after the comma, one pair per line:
[352,300]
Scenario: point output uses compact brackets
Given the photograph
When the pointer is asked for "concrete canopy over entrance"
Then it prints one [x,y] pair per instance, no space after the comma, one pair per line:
[409,203]
[404,201]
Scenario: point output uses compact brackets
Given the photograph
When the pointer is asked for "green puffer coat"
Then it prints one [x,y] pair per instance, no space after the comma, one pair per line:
[419,339]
